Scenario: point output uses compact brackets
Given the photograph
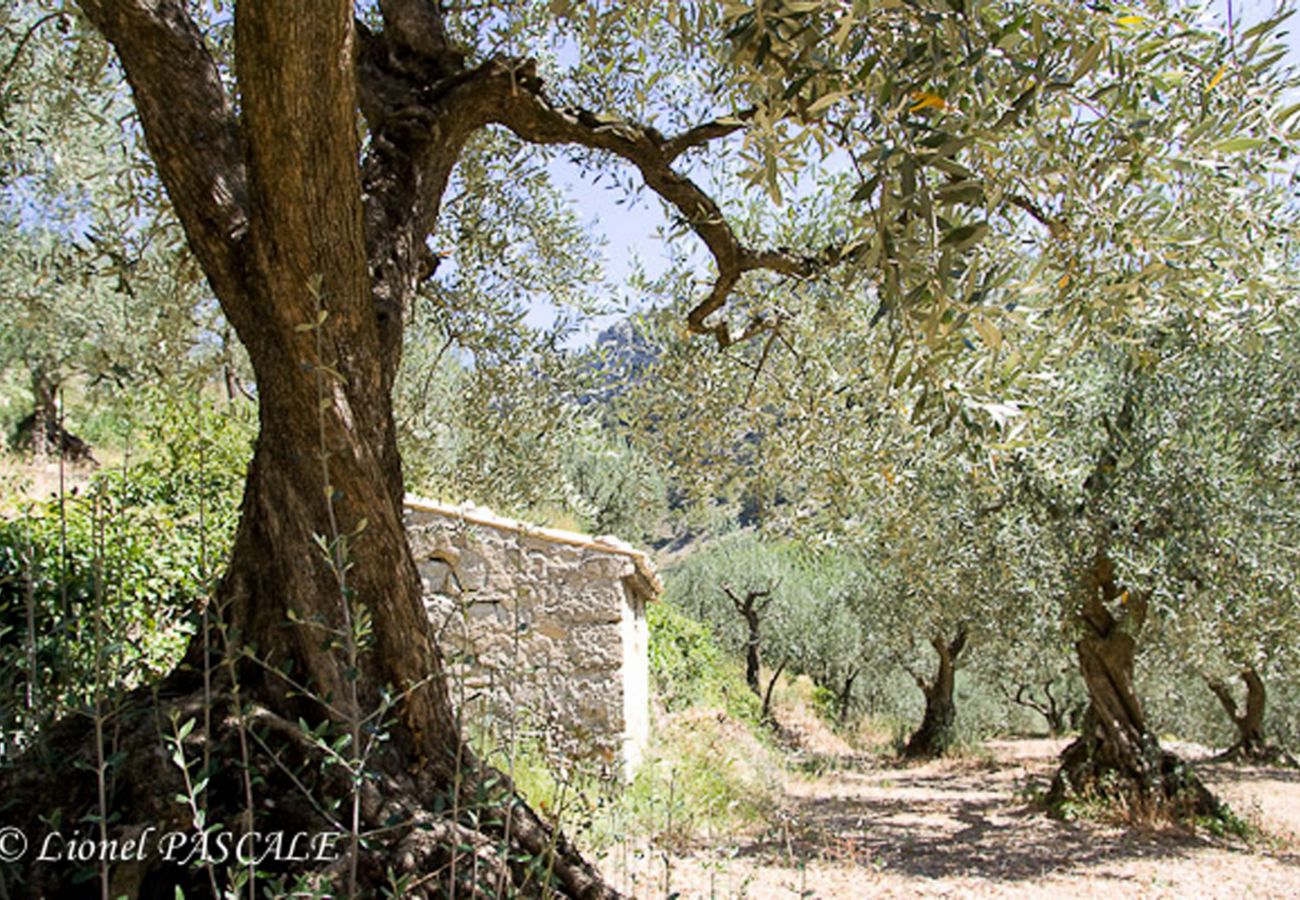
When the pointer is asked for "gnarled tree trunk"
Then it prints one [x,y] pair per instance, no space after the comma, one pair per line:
[1116,754]
[314,245]
[1251,743]
[937,730]
[318,618]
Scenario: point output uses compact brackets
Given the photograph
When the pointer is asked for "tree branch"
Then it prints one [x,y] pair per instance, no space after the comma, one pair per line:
[705,132]
[521,106]
[22,43]
[1055,227]
[731,594]
[921,681]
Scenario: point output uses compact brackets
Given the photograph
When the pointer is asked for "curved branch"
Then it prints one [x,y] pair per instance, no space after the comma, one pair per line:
[521,106]
[22,43]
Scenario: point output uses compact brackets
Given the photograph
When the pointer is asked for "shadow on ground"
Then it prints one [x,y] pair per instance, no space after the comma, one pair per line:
[948,819]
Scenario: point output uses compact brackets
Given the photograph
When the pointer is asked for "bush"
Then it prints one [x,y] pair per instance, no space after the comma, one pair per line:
[689,668]
[98,588]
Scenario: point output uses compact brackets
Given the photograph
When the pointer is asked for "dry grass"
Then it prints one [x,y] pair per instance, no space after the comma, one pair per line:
[22,480]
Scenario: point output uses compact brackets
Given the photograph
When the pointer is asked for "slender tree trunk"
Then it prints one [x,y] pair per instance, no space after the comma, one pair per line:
[845,697]
[937,730]
[1251,743]
[765,713]
[1116,753]
[753,661]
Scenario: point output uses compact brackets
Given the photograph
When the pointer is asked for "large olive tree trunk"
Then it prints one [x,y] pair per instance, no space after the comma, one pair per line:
[938,726]
[1116,754]
[313,242]
[318,618]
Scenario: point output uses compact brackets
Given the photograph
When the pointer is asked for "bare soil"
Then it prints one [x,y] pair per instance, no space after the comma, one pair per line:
[967,828]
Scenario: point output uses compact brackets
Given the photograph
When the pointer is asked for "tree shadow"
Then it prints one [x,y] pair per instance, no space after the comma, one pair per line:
[1235,772]
[955,824]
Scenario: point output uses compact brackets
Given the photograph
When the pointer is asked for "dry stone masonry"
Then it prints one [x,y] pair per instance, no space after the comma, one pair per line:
[545,630]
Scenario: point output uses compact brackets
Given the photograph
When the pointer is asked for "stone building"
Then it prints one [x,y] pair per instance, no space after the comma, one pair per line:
[545,629]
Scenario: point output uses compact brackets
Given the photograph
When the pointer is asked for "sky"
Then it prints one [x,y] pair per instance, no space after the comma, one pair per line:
[630,229]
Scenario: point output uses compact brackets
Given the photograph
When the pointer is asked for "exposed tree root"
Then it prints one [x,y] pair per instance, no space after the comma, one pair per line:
[1258,755]
[57,438]
[425,829]
[1149,784]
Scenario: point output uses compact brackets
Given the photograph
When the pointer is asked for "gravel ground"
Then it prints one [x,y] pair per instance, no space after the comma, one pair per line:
[963,828]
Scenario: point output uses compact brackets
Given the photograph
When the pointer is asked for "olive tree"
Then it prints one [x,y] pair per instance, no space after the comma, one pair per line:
[309,165]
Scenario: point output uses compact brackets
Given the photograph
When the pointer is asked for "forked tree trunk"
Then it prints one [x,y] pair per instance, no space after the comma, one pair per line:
[938,726]
[1251,743]
[319,618]
[750,608]
[1116,754]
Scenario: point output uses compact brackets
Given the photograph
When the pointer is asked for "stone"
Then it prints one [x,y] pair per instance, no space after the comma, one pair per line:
[542,628]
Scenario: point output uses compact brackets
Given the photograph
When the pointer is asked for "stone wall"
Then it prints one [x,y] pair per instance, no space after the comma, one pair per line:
[545,630]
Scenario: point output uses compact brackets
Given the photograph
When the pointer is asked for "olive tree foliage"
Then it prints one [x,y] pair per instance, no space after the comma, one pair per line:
[1229,419]
[487,400]
[95,282]
[309,175]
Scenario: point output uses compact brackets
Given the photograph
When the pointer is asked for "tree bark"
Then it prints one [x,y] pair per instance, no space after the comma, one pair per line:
[844,698]
[1251,743]
[937,730]
[1116,754]
[318,618]
[314,250]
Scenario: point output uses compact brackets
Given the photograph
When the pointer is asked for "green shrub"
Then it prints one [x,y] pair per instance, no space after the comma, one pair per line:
[825,704]
[98,588]
[689,668]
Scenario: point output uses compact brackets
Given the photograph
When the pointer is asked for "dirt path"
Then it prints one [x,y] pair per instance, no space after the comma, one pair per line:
[962,828]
